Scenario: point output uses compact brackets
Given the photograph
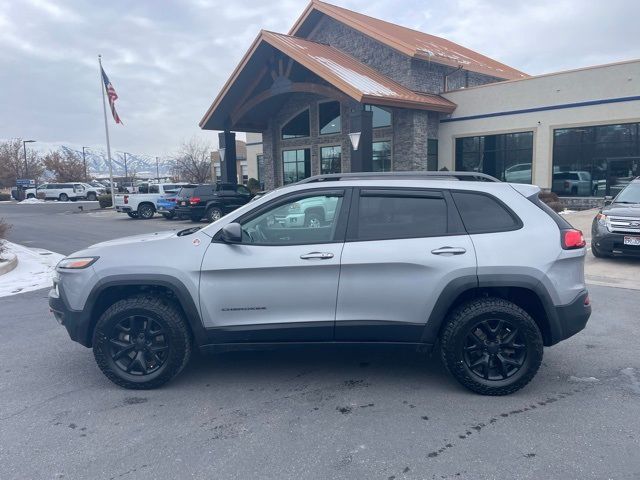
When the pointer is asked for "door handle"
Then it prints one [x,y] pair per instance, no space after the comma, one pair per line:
[317,256]
[448,251]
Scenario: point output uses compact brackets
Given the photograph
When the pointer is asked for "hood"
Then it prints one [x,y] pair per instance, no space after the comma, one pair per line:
[622,210]
[146,237]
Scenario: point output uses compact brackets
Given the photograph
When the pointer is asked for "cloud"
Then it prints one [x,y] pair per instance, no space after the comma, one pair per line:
[168,60]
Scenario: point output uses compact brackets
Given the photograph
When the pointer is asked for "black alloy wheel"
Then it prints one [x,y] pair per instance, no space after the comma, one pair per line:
[494,349]
[145,211]
[138,345]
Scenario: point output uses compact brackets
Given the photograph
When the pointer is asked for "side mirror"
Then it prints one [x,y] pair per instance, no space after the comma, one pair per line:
[231,233]
[608,200]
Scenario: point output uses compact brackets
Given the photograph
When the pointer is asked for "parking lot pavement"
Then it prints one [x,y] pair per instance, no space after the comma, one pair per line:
[324,413]
[621,272]
[63,228]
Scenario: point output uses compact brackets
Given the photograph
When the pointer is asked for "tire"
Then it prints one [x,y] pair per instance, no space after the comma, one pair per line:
[63,197]
[133,214]
[146,211]
[91,197]
[169,216]
[312,220]
[195,219]
[486,363]
[31,195]
[162,356]
[213,214]
[597,253]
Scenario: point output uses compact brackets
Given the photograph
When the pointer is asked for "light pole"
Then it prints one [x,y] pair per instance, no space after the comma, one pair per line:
[84,160]
[26,164]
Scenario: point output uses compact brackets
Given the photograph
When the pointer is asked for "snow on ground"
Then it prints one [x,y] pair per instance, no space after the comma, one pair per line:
[567,212]
[34,270]
[31,200]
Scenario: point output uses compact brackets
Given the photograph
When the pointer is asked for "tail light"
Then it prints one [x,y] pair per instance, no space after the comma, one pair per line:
[126,199]
[172,200]
[572,239]
[194,200]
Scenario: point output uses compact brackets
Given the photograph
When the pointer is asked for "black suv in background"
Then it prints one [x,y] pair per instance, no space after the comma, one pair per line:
[616,228]
[211,201]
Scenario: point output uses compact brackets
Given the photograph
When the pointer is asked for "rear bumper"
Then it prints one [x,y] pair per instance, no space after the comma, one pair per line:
[123,209]
[190,211]
[570,319]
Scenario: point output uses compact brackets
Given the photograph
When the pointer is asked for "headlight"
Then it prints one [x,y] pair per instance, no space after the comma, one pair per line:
[77,263]
[603,221]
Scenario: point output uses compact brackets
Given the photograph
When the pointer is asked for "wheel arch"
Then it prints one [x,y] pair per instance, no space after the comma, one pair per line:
[526,292]
[112,289]
[146,202]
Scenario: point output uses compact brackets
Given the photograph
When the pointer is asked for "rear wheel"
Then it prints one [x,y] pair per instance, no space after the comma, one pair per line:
[31,195]
[63,197]
[141,342]
[91,197]
[169,215]
[133,214]
[491,346]
[213,214]
[146,211]
[195,219]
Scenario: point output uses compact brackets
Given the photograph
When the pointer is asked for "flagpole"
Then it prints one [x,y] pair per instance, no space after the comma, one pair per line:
[106,131]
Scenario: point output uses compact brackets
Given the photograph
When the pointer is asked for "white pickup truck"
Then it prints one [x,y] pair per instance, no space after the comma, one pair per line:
[143,205]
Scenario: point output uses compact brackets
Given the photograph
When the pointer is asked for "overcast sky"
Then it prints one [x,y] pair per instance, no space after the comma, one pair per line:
[168,60]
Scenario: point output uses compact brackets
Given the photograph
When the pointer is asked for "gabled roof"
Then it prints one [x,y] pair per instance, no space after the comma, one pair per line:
[405,40]
[345,73]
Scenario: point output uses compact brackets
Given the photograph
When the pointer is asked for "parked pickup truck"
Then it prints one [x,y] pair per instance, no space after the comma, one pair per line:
[143,205]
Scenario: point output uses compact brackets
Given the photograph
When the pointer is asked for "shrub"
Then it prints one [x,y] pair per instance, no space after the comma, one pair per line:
[552,200]
[4,230]
[105,201]
[4,197]
[253,185]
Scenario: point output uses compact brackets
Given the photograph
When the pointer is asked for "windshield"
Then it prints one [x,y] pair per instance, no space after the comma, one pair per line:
[631,194]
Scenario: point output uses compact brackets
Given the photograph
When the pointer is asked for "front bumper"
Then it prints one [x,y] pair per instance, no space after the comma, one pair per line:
[611,243]
[77,323]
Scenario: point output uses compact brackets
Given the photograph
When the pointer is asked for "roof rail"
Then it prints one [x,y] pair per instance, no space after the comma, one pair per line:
[462,176]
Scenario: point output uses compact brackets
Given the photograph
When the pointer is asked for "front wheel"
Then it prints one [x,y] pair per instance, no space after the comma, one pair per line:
[491,346]
[141,342]
[597,253]
[169,215]
[91,197]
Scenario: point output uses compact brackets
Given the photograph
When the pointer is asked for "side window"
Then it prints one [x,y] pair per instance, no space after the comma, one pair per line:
[483,214]
[304,220]
[153,189]
[389,216]
[242,190]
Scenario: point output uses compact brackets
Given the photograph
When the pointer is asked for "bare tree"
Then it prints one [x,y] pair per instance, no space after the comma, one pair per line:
[12,165]
[65,164]
[193,161]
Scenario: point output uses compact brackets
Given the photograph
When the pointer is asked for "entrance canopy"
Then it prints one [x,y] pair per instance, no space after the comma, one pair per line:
[277,65]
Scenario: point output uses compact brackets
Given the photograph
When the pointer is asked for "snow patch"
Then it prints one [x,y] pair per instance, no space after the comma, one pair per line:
[363,83]
[583,379]
[31,200]
[34,271]
[568,212]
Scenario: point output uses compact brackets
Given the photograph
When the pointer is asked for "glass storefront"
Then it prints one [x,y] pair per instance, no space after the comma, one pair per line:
[296,165]
[330,159]
[507,156]
[596,160]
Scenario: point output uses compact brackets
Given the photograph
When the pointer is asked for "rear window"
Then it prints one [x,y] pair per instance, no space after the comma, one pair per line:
[482,213]
[204,190]
[383,217]
[186,192]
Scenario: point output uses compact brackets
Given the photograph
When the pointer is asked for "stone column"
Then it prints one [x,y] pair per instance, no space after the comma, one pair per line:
[361,121]
[228,166]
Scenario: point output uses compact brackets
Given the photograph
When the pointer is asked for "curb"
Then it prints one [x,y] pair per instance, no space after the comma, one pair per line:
[7,266]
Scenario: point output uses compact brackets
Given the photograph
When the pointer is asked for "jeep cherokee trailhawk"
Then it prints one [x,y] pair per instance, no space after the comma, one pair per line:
[482,269]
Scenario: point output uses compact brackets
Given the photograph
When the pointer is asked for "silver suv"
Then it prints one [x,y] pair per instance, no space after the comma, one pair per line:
[481,269]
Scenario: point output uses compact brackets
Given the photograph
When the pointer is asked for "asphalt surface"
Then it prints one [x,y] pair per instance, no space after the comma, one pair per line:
[344,413]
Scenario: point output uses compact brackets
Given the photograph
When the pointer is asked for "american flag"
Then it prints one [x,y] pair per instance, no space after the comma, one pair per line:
[113,96]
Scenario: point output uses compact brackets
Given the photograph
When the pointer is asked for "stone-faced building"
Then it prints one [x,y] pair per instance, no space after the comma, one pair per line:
[344,92]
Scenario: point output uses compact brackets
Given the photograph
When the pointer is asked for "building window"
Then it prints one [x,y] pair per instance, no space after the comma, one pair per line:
[432,155]
[297,127]
[260,161]
[507,157]
[595,161]
[244,171]
[296,165]
[381,117]
[382,156]
[329,118]
[330,159]
[218,171]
